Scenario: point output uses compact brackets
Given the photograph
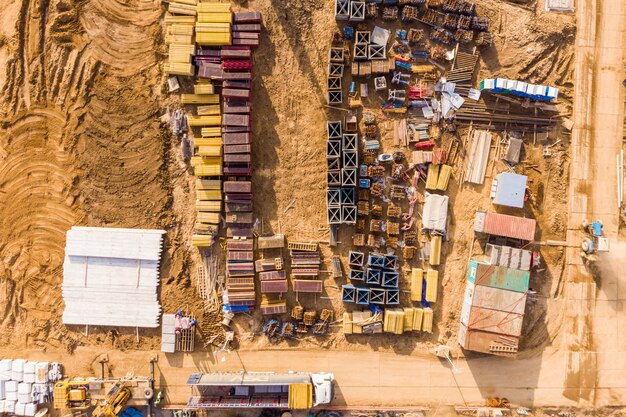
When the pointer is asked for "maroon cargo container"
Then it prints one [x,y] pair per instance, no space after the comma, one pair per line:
[236,138]
[237,186]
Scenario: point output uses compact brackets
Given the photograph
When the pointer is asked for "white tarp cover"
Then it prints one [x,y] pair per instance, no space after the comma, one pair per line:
[435,213]
[110,277]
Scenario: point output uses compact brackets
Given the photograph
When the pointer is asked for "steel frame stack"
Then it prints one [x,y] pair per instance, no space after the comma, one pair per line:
[342,158]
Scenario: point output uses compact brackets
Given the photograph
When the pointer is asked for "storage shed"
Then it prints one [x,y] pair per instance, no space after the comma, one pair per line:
[504,225]
[509,189]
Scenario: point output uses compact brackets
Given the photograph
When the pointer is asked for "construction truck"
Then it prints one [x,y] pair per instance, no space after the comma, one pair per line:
[595,242]
[72,394]
[114,401]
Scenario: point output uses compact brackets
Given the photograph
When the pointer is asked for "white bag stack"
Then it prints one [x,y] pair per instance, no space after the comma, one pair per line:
[24,390]
[41,373]
[30,410]
[9,406]
[10,388]
[17,370]
[5,369]
[19,409]
[29,372]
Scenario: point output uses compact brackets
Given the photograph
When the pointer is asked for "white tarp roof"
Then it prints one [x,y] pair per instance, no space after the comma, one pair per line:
[110,277]
[435,213]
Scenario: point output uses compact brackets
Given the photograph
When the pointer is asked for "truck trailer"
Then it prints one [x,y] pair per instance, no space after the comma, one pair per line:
[293,390]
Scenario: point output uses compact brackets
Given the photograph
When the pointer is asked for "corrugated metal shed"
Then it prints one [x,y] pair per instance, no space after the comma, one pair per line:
[495,298]
[508,226]
[110,277]
[498,276]
[478,157]
[484,342]
[509,189]
[494,321]
[435,212]
[514,150]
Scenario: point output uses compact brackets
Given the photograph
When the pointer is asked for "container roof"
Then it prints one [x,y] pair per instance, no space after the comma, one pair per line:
[247,378]
[510,190]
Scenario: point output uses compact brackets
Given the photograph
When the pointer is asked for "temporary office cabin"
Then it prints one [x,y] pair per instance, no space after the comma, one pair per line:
[480,273]
[486,342]
[509,189]
[259,390]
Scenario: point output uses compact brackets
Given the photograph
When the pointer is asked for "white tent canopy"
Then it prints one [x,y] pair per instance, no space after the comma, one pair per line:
[435,213]
[110,277]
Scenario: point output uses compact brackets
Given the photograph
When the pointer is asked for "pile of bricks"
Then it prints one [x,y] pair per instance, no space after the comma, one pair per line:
[305,267]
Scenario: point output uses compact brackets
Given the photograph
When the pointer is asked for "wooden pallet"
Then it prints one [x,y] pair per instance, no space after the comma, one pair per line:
[308,247]
[186,338]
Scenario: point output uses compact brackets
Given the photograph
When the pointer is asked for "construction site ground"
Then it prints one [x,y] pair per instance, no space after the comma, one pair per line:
[81,143]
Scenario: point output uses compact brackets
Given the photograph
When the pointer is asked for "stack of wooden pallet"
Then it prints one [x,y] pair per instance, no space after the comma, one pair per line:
[305,267]
[180,22]
[240,287]
[213,27]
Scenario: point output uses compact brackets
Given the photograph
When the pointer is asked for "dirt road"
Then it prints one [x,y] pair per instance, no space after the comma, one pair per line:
[594,313]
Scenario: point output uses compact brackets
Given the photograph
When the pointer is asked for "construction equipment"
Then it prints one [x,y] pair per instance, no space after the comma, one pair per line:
[114,401]
[595,242]
[72,395]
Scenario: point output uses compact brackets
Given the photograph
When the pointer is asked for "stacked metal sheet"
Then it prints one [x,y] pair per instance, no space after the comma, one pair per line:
[305,267]
[240,289]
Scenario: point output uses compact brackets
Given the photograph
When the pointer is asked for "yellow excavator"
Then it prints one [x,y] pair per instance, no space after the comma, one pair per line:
[114,401]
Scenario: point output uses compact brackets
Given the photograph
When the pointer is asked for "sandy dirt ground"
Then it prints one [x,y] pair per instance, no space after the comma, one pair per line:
[81,143]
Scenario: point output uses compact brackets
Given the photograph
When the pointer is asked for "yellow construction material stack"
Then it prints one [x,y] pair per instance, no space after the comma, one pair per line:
[210,132]
[200,99]
[300,396]
[432,177]
[204,88]
[427,323]
[202,240]
[359,318]
[209,151]
[347,323]
[435,250]
[445,172]
[418,316]
[393,321]
[417,276]
[200,121]
[179,36]
[432,281]
[198,142]
[214,24]
[409,317]
[211,110]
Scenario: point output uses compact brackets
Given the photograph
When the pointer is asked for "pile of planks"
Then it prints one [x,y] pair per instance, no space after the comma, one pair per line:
[240,288]
[305,267]
[213,27]
[180,21]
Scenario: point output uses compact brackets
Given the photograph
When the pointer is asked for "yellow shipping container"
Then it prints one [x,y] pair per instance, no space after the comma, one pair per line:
[427,324]
[417,319]
[432,177]
[432,281]
[347,323]
[435,250]
[445,172]
[417,277]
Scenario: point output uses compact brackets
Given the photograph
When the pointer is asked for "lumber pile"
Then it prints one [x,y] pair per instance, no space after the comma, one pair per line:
[179,36]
